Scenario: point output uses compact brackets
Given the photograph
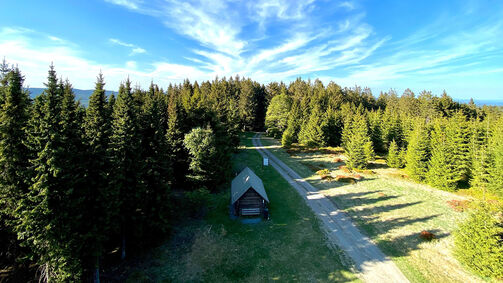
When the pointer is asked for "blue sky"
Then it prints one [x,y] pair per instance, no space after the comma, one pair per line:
[432,45]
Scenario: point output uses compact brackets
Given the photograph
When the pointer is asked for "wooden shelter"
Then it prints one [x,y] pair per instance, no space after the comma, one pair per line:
[248,196]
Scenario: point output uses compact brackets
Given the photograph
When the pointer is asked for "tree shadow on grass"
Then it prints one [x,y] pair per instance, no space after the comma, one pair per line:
[403,245]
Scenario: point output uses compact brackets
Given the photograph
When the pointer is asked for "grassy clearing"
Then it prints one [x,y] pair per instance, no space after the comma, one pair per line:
[289,247]
[392,211]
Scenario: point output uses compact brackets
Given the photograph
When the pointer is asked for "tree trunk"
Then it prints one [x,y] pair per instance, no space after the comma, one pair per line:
[123,248]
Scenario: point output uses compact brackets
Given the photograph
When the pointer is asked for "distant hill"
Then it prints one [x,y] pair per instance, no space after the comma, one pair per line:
[481,102]
[81,95]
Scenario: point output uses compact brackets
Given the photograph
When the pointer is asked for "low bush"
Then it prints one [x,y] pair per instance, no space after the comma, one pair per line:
[459,205]
[323,172]
[344,169]
[351,179]
[427,236]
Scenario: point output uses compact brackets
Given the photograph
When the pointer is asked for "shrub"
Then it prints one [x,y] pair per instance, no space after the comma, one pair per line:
[427,236]
[287,138]
[459,205]
[479,243]
[337,160]
[344,169]
[196,200]
[323,172]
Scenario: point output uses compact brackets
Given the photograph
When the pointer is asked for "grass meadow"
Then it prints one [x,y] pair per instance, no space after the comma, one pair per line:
[289,247]
[391,210]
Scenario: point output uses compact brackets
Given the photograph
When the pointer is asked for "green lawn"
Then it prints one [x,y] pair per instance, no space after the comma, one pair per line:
[392,211]
[289,247]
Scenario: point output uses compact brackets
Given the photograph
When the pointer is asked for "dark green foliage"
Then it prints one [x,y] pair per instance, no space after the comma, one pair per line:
[14,154]
[394,156]
[418,152]
[479,243]
[496,154]
[358,148]
[311,133]
[331,127]
[51,211]
[458,134]
[124,152]
[97,137]
[441,169]
[277,114]
[202,149]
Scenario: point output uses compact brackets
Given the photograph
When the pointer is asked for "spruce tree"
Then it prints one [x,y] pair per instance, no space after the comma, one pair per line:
[311,133]
[14,154]
[124,151]
[48,223]
[458,135]
[418,152]
[14,161]
[478,243]
[358,146]
[156,173]
[97,137]
[496,152]
[442,171]
[394,157]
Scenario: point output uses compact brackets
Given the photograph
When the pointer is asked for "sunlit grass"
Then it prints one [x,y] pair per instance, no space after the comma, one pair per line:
[289,247]
[392,211]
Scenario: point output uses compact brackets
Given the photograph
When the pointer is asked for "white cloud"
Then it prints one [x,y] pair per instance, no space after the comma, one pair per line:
[134,49]
[33,57]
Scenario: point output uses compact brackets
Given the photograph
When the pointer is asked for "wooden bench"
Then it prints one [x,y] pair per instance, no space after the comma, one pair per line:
[250,211]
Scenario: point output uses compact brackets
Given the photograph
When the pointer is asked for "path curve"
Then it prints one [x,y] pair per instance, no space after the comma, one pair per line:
[367,257]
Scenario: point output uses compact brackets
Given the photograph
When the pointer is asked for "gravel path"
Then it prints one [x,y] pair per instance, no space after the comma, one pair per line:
[370,261]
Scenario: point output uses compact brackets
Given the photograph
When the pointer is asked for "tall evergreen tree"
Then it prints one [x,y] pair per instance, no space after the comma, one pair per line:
[359,147]
[394,158]
[418,152]
[48,219]
[14,154]
[442,171]
[458,135]
[311,132]
[14,160]
[97,136]
[496,151]
[124,150]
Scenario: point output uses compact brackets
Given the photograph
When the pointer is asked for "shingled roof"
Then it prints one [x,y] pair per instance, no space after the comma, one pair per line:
[245,180]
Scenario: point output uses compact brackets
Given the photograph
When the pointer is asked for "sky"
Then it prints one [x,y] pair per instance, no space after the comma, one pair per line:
[449,45]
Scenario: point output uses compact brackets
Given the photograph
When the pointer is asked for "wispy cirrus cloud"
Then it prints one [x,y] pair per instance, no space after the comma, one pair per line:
[27,49]
[134,48]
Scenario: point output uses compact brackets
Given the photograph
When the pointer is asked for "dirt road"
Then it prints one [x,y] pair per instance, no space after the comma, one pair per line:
[370,261]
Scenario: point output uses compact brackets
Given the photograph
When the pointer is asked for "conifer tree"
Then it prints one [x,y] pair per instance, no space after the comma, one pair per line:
[418,152]
[331,127]
[124,150]
[156,171]
[359,146]
[97,137]
[458,135]
[478,243]
[14,160]
[311,133]
[496,151]
[394,158]
[442,171]
[48,223]
[292,130]
[14,154]
[174,137]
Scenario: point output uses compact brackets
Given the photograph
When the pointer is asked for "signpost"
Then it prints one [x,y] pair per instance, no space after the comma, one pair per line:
[266,161]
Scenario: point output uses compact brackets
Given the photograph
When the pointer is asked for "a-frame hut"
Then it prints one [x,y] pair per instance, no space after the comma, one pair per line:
[248,196]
